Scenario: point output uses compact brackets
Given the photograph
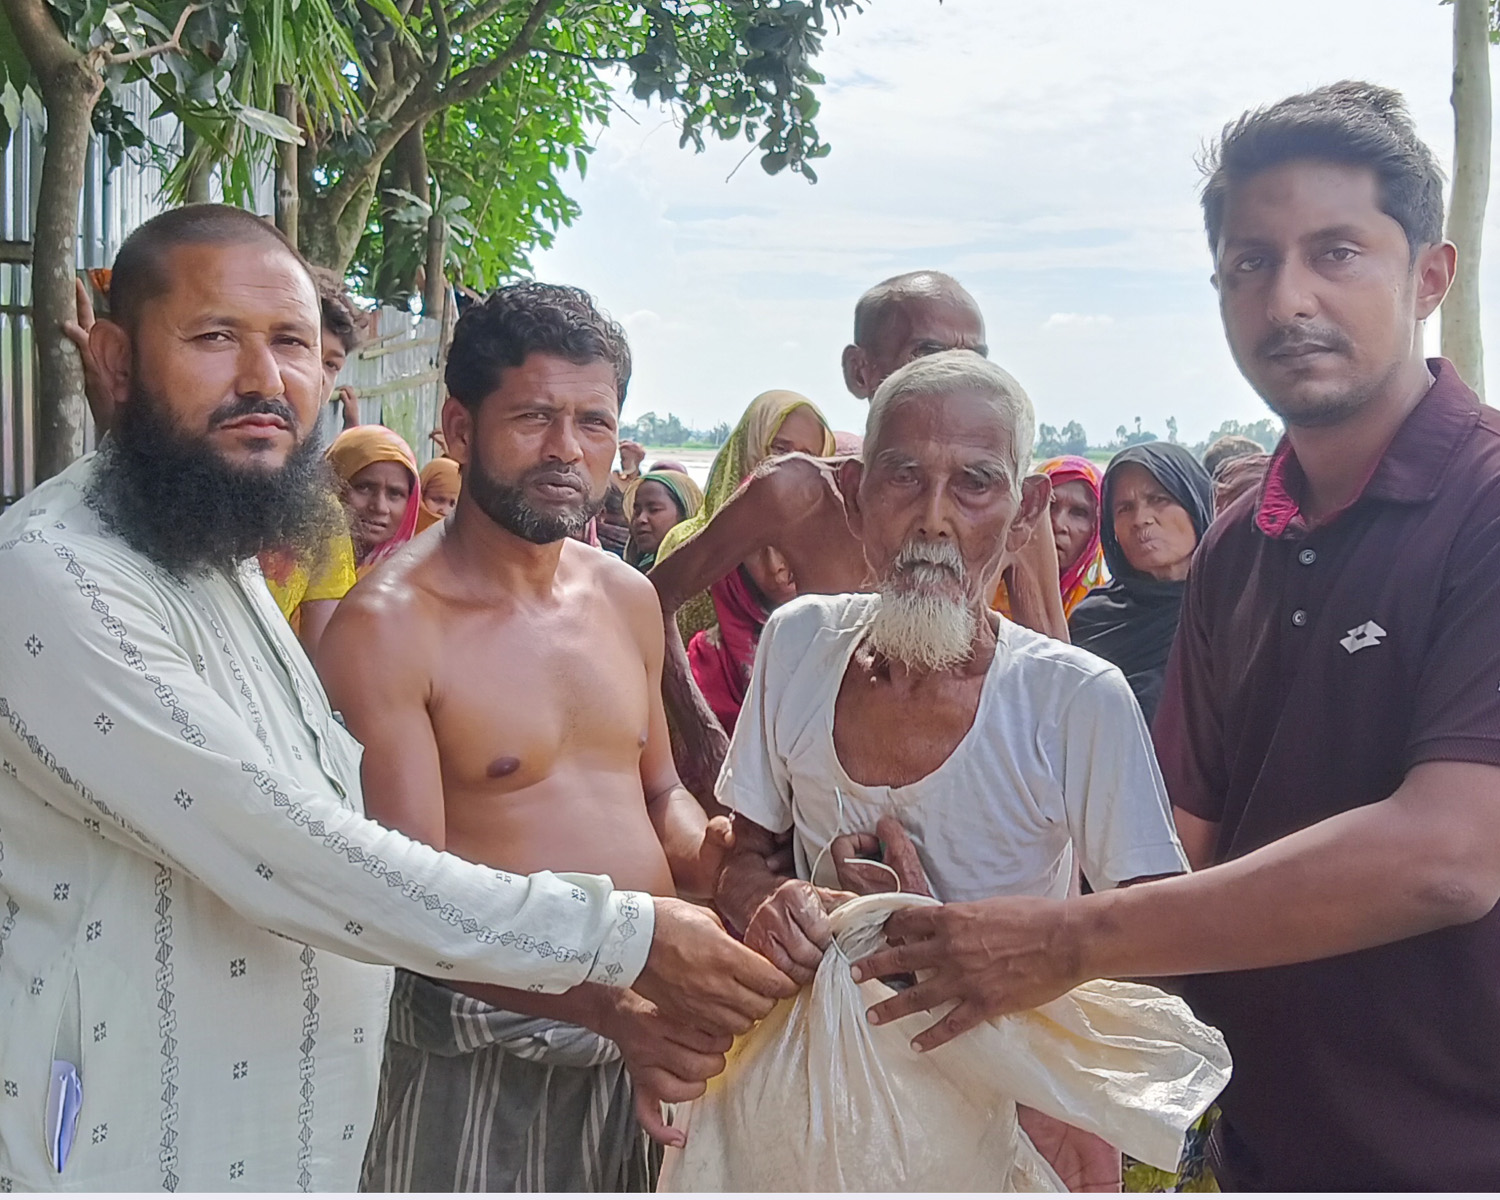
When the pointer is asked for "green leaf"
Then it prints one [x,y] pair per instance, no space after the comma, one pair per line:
[36,112]
[15,69]
[10,105]
[269,124]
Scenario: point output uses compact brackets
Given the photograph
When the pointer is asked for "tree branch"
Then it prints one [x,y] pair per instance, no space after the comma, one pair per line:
[593,60]
[171,45]
[423,101]
[442,58]
[466,23]
[468,84]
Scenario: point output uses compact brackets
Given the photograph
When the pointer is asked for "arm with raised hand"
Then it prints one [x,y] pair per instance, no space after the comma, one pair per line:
[777,494]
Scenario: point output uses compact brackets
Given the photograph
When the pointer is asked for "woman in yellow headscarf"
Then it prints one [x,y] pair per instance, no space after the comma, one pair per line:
[722,626]
[440,484]
[777,422]
[381,488]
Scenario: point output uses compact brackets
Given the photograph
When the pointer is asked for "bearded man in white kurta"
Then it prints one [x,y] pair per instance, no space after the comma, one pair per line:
[192,905]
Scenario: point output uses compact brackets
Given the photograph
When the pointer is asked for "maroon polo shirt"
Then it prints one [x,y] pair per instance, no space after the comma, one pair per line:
[1312,669]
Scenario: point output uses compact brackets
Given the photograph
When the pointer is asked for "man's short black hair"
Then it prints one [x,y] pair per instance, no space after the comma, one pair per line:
[1354,123]
[139,272]
[530,318]
[340,315]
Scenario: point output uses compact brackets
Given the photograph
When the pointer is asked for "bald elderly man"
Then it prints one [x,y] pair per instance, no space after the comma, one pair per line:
[795,504]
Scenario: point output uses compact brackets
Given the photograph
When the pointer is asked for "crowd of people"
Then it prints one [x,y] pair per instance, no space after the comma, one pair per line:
[588,755]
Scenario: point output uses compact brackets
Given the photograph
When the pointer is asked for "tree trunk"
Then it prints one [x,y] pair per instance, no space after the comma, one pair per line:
[198,190]
[405,168]
[1462,342]
[288,205]
[70,89]
[435,288]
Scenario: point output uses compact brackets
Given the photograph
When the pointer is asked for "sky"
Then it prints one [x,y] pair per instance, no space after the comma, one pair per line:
[1044,154]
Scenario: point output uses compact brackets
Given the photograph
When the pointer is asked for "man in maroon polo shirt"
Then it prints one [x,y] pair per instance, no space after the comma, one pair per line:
[1330,731]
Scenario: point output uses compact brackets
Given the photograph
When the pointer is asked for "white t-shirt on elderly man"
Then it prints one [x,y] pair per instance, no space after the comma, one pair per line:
[1058,761]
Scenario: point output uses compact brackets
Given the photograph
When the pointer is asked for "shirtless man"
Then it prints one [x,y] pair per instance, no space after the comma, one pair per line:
[796,504]
[506,680]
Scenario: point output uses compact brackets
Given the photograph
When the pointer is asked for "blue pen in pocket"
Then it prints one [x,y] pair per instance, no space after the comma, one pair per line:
[64,1099]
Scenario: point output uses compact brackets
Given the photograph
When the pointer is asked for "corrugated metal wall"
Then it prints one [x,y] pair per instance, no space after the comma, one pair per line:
[398,377]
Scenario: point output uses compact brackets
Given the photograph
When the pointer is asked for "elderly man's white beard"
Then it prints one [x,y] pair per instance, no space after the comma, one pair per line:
[925,621]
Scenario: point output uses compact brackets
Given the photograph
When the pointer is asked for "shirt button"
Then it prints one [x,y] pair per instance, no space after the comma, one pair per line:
[1299,618]
[1308,557]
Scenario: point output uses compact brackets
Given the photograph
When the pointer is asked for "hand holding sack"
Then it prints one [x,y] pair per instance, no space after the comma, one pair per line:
[815,1098]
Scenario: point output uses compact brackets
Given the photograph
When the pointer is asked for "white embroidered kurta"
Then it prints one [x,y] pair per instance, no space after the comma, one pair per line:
[186,881]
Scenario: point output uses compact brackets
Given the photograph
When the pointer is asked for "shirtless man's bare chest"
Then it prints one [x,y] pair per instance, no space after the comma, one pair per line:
[529,713]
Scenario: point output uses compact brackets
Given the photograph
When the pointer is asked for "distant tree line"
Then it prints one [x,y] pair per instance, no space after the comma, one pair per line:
[1073,439]
[651,430]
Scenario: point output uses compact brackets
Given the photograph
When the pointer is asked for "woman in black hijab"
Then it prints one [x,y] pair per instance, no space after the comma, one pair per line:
[1157,503]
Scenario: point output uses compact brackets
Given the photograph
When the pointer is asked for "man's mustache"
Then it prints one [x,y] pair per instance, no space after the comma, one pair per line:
[250,406]
[1290,339]
[940,555]
[559,475]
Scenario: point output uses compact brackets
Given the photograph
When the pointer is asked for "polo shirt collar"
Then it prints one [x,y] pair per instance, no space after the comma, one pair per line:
[1409,472]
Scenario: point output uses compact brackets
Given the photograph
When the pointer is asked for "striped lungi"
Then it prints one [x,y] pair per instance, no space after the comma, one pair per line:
[476,1099]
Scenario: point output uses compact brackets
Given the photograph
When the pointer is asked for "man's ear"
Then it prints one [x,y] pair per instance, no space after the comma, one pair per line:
[856,372]
[109,345]
[1435,268]
[1036,499]
[850,472]
[458,430]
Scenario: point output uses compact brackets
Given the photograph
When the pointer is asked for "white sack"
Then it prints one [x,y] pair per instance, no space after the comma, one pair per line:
[815,1098]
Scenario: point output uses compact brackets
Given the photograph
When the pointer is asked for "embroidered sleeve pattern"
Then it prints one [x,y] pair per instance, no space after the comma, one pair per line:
[103,714]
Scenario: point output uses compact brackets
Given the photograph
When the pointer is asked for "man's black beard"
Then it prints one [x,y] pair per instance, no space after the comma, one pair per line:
[506,505]
[175,499]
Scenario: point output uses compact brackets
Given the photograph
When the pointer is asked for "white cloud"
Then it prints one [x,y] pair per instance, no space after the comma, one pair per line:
[1043,153]
[1077,321]
[641,320]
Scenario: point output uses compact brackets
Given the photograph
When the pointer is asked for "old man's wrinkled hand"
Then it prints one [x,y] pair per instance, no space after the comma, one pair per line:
[790,927]
[883,861]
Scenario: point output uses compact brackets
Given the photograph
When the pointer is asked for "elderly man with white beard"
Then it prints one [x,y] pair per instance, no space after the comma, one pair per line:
[991,760]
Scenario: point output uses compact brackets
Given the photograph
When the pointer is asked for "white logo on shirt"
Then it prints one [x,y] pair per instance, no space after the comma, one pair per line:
[1362,637]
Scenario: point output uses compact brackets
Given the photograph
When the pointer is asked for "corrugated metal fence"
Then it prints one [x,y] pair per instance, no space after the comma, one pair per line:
[398,377]
[396,374]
